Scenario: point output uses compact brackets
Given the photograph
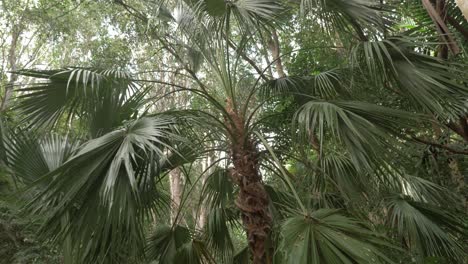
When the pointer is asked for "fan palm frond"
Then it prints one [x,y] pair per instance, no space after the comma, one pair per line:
[218,235]
[340,171]
[363,128]
[346,15]
[218,189]
[325,85]
[30,156]
[103,98]
[421,225]
[102,195]
[177,245]
[325,236]
[434,85]
[247,12]
[425,191]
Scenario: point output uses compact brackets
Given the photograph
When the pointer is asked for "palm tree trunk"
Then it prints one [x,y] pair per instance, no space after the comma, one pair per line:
[252,200]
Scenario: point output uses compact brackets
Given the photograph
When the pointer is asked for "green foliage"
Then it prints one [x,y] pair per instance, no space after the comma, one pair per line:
[422,227]
[19,243]
[361,146]
[325,236]
[177,245]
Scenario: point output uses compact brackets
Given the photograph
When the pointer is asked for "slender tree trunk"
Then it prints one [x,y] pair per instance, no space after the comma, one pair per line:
[12,62]
[266,55]
[462,128]
[438,16]
[252,200]
[275,52]
[203,213]
[175,181]
[463,5]
[443,49]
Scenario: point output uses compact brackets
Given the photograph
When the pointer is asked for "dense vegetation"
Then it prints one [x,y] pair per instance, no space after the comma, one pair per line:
[243,131]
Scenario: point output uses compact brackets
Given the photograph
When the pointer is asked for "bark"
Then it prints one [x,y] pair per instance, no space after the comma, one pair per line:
[175,181]
[12,62]
[460,128]
[463,123]
[441,12]
[266,56]
[247,59]
[463,5]
[275,52]
[252,200]
[441,146]
[340,49]
[457,176]
[458,179]
[203,213]
[440,18]
[458,27]
[437,15]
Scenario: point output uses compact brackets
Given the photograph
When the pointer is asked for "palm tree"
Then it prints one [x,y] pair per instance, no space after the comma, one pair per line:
[97,189]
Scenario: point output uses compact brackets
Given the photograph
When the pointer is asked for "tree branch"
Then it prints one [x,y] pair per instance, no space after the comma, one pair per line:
[250,61]
[163,42]
[437,145]
[458,27]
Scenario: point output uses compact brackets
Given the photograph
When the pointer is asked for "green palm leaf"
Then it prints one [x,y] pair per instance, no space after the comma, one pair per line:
[364,129]
[325,236]
[218,189]
[30,156]
[325,85]
[217,233]
[421,227]
[247,12]
[435,86]
[176,244]
[340,172]
[346,14]
[102,98]
[102,195]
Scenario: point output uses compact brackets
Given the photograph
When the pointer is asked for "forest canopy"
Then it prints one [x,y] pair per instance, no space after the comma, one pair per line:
[233,131]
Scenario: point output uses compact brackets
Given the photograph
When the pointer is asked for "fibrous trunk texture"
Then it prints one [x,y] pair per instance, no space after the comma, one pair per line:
[252,200]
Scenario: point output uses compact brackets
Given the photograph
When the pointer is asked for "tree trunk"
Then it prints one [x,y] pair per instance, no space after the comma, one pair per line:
[462,128]
[275,52]
[437,15]
[175,181]
[463,5]
[252,200]
[12,62]
[443,49]
[203,213]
